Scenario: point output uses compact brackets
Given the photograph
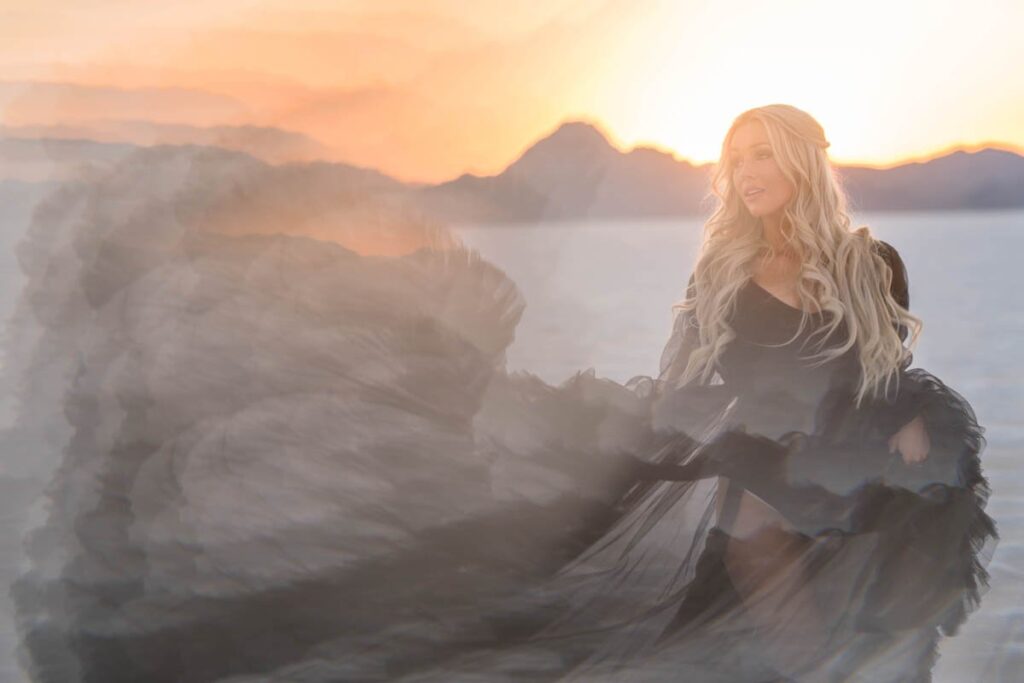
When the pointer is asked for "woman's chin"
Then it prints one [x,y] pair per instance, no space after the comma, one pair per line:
[762,213]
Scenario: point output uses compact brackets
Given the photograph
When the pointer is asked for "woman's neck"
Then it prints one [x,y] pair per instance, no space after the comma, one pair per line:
[774,235]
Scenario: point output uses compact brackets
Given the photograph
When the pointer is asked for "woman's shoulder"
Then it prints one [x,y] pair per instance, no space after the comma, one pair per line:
[886,251]
[899,286]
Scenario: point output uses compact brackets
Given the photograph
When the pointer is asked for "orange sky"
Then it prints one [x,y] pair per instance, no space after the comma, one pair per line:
[427,89]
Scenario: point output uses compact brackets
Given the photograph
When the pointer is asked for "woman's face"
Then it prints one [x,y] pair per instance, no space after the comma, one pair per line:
[755,173]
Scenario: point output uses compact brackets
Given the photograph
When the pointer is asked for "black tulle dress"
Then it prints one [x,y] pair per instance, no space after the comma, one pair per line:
[273,458]
[913,533]
[884,557]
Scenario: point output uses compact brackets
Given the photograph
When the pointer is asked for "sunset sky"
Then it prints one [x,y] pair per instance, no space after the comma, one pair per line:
[425,90]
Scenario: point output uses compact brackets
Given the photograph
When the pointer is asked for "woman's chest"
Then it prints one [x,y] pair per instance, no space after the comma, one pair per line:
[770,343]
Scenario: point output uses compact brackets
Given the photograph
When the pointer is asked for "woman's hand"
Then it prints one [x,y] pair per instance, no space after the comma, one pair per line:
[911,441]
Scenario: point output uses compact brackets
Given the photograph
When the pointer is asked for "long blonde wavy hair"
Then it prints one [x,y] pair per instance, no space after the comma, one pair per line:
[842,274]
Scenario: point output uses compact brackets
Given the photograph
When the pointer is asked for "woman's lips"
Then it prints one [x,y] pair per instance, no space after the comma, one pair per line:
[750,194]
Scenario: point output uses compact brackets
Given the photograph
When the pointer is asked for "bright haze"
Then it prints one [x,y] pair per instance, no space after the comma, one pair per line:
[426,91]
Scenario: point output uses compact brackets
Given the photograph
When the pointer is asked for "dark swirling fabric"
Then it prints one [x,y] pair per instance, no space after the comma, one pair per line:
[798,442]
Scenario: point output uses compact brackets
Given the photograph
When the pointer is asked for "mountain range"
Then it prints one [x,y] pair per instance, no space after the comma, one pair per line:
[573,173]
[576,173]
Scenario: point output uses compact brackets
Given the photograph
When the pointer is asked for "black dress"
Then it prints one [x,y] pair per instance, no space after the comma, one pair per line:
[907,537]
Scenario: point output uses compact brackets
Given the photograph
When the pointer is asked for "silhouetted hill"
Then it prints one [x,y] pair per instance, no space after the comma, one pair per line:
[274,145]
[986,179]
[575,173]
[44,160]
[49,161]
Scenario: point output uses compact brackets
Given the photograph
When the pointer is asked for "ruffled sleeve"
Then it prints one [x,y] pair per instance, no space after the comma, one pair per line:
[905,402]
[899,287]
[936,530]
[683,340]
[691,407]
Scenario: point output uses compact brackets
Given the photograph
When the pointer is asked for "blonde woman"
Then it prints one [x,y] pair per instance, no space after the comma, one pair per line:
[849,501]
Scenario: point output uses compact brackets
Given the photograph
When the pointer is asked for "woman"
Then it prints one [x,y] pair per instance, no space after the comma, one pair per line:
[807,508]
[286,457]
[828,533]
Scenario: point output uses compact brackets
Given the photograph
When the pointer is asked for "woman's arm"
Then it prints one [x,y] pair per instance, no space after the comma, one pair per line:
[911,441]
[682,342]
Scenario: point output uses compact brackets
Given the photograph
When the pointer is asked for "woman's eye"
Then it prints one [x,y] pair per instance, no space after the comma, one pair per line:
[760,155]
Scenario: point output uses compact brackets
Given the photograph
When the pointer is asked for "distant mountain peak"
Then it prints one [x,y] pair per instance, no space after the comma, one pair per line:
[572,145]
[577,133]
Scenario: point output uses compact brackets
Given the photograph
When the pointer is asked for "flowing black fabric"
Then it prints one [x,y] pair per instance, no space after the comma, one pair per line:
[282,459]
[894,551]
